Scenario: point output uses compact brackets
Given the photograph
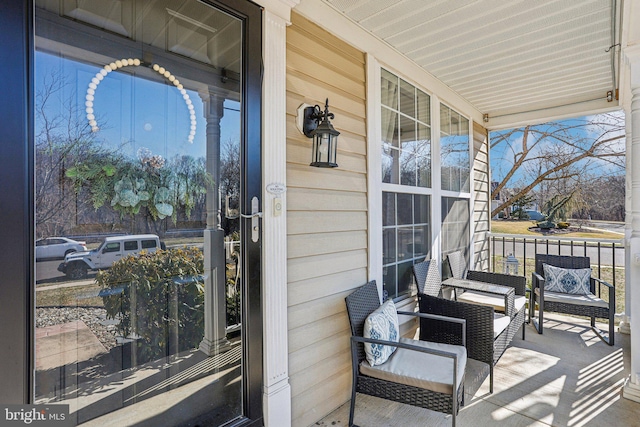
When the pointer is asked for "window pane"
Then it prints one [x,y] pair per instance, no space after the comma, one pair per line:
[445,119]
[405,209]
[389,245]
[390,165]
[423,157]
[111,247]
[127,143]
[388,208]
[421,209]
[130,246]
[423,104]
[405,243]
[389,127]
[389,89]
[389,280]
[407,99]
[421,241]
[407,133]
[455,225]
[455,123]
[405,277]
[465,160]
[423,145]
[454,151]
[408,167]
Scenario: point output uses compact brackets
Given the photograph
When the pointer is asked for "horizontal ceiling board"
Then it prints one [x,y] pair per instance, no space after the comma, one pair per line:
[471,44]
[360,10]
[569,61]
[543,38]
[489,94]
[507,56]
[571,91]
[413,14]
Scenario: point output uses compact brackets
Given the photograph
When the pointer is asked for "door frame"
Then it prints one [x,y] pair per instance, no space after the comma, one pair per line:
[251,186]
[17,252]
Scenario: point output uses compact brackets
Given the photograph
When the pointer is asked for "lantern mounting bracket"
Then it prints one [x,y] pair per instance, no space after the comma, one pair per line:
[312,117]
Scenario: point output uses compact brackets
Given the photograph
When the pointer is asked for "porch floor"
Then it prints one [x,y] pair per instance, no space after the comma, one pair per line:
[565,377]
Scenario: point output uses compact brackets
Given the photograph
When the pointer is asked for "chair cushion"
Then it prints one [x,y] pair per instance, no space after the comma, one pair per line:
[588,299]
[381,324]
[491,300]
[567,280]
[500,323]
[424,370]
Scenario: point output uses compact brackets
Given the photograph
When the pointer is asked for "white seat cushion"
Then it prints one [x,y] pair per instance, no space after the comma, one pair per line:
[424,370]
[518,302]
[588,299]
[500,323]
[491,300]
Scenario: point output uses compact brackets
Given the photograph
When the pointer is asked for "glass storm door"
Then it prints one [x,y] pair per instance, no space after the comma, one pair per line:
[146,155]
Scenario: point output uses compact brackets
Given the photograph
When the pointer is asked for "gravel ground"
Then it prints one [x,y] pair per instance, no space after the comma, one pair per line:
[95,319]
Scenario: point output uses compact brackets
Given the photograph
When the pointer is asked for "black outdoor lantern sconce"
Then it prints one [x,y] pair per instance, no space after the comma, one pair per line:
[316,125]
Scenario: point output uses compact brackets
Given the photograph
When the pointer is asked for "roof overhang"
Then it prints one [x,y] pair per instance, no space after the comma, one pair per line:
[514,62]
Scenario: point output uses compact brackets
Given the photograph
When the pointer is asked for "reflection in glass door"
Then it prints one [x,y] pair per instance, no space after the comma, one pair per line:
[138,190]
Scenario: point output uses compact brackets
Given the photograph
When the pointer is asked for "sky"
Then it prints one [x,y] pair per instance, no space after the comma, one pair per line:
[502,155]
[133,112]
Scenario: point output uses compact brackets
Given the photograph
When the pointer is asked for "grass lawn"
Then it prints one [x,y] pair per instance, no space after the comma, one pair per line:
[85,295]
[522,227]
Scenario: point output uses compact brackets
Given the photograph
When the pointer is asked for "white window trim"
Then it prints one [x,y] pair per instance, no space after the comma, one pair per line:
[374,172]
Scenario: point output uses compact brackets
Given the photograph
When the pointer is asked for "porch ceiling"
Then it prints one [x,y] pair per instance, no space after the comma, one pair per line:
[504,57]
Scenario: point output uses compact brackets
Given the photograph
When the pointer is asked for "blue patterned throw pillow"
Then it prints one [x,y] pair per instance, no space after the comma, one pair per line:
[567,280]
[382,324]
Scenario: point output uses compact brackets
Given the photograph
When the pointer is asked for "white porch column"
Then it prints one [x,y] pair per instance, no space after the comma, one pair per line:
[632,387]
[215,322]
[276,394]
[625,322]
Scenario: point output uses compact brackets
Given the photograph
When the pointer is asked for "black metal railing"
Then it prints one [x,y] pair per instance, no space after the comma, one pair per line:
[605,254]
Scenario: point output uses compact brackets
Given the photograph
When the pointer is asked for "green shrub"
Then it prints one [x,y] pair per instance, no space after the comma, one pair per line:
[168,287]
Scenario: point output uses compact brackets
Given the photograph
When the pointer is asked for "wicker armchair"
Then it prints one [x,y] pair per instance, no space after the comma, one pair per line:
[588,305]
[483,343]
[433,391]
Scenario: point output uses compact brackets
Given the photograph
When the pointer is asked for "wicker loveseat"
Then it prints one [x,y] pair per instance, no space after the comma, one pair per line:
[424,374]
[488,333]
[587,304]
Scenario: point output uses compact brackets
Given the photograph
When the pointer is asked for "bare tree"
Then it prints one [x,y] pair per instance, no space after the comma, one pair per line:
[556,154]
[62,136]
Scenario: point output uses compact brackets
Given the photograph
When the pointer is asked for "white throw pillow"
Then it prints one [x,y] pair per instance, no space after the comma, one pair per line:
[567,280]
[382,324]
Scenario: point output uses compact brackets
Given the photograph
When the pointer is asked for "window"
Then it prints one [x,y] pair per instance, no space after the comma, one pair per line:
[406,162]
[454,150]
[111,247]
[131,245]
[148,244]
[455,226]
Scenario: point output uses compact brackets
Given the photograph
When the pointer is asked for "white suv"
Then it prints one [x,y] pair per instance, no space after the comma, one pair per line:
[77,264]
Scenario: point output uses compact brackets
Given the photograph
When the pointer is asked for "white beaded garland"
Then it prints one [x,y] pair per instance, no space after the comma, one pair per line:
[120,63]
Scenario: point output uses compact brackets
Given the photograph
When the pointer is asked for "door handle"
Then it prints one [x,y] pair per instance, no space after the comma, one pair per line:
[255,219]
